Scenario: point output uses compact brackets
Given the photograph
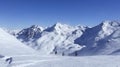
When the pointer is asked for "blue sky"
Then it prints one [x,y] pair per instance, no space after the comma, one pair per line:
[23,13]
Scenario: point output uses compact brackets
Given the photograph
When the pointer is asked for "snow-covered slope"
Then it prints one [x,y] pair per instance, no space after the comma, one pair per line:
[58,61]
[57,39]
[9,45]
[101,39]
[11,32]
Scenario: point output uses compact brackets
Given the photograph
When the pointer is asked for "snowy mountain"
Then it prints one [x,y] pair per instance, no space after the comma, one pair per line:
[30,33]
[63,39]
[57,39]
[10,46]
[102,39]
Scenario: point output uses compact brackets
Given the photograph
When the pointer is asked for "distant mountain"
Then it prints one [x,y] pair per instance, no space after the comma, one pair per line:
[9,45]
[103,39]
[57,39]
[63,39]
[30,33]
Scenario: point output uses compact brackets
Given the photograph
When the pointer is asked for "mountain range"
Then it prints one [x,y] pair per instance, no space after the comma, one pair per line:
[63,39]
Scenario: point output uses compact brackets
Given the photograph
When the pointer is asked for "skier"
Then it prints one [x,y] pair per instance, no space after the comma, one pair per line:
[55,52]
[63,54]
[9,60]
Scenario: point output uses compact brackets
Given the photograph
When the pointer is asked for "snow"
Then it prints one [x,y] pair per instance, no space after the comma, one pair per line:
[63,39]
[60,39]
[56,46]
[30,33]
[10,46]
[65,61]
[57,38]
[102,39]
[12,31]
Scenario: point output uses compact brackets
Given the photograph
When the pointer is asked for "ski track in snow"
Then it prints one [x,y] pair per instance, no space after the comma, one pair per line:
[28,62]
[64,61]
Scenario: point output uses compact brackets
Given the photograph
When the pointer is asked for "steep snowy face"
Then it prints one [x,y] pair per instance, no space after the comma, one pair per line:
[9,45]
[60,28]
[101,39]
[30,33]
[59,38]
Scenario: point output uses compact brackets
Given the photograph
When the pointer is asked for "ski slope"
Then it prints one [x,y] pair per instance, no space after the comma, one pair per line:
[10,46]
[64,61]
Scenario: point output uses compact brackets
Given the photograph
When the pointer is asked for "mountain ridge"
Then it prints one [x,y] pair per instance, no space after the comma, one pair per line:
[63,39]
[99,39]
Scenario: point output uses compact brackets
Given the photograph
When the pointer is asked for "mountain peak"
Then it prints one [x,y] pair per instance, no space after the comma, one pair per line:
[58,27]
[32,32]
[107,26]
[58,24]
[36,27]
[110,23]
